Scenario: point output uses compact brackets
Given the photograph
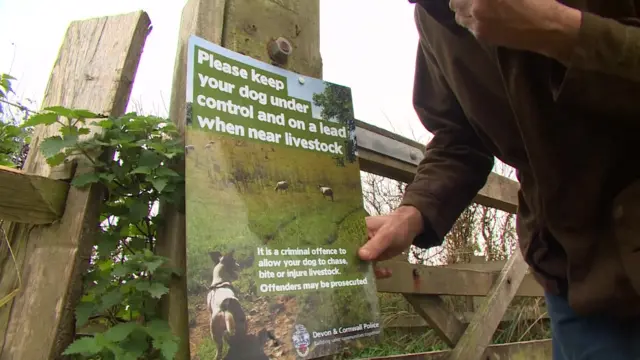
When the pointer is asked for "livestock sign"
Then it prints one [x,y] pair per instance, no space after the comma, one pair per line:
[274,214]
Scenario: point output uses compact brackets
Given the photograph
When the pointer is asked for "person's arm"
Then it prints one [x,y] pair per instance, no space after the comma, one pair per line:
[590,42]
[456,163]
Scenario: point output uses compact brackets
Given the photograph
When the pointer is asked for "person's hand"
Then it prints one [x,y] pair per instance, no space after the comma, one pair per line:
[389,235]
[543,26]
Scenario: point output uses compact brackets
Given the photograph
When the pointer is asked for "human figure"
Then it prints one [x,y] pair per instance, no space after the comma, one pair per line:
[553,91]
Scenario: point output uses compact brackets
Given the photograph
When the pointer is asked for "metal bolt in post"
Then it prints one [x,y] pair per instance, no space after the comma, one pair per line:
[279,50]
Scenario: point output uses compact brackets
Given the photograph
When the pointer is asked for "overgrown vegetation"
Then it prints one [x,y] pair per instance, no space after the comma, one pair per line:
[129,162]
[13,140]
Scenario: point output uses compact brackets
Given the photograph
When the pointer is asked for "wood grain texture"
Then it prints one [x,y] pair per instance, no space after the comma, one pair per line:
[440,280]
[29,198]
[479,333]
[413,320]
[527,350]
[433,310]
[244,26]
[95,68]
[499,192]
[203,18]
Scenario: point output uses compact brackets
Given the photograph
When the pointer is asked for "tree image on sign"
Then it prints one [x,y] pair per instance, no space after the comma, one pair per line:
[336,103]
[273,221]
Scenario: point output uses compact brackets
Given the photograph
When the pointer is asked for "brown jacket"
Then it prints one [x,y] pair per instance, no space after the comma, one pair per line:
[572,134]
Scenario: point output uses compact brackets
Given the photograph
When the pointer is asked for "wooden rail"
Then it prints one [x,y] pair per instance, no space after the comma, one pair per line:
[526,350]
[447,281]
[33,199]
[384,153]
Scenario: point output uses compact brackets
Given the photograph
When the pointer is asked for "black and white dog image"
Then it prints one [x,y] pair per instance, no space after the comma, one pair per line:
[228,320]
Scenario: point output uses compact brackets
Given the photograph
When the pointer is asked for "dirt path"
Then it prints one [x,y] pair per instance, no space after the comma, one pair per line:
[277,318]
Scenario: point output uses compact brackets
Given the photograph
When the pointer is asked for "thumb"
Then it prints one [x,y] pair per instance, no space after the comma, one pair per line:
[373,248]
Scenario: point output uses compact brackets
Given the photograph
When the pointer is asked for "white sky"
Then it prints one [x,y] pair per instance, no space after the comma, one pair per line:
[372,52]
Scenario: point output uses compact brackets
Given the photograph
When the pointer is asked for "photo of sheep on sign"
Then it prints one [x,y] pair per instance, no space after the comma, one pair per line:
[274,214]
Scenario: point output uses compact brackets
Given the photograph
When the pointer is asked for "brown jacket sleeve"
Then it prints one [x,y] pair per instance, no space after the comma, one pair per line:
[603,74]
[456,164]
[609,46]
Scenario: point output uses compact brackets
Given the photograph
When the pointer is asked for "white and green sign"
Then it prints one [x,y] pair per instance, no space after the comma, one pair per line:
[274,212]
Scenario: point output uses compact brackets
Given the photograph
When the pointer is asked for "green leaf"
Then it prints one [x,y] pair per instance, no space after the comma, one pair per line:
[62,111]
[120,332]
[40,119]
[111,298]
[157,289]
[128,355]
[166,172]
[105,265]
[154,264]
[168,348]
[86,114]
[141,170]
[120,270]
[107,123]
[149,159]
[108,239]
[137,343]
[84,131]
[84,346]
[53,145]
[56,159]
[4,161]
[107,177]
[159,183]
[83,311]
[85,179]
[158,329]
[138,210]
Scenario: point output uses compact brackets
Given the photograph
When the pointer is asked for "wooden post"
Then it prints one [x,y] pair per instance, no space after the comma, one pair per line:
[444,322]
[94,70]
[471,300]
[478,335]
[245,26]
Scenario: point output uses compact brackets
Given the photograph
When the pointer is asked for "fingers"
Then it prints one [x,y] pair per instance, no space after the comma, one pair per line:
[382,273]
[462,10]
[374,223]
[460,6]
[376,246]
[464,20]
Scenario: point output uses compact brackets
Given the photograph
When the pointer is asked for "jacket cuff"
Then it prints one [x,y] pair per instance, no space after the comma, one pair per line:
[430,236]
[607,45]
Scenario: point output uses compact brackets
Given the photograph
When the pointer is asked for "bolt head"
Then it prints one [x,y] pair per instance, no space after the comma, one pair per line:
[279,50]
[284,45]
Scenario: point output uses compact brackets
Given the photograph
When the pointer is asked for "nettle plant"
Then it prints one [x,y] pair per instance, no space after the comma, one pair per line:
[130,159]
[12,138]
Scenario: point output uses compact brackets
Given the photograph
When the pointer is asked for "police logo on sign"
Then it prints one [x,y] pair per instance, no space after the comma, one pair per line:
[301,340]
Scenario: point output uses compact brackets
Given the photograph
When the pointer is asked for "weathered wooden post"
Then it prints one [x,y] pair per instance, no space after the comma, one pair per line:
[245,26]
[94,70]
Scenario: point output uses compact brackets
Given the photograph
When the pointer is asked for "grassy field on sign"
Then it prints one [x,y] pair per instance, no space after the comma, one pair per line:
[232,205]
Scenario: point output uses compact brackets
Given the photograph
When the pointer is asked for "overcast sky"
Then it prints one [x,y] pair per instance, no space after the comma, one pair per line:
[373,52]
